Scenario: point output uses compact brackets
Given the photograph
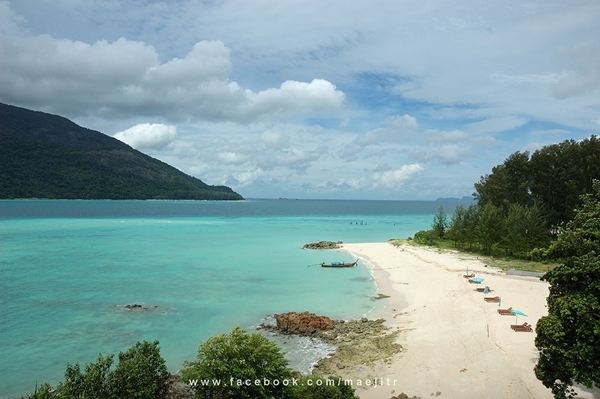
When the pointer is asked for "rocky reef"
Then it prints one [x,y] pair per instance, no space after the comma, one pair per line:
[357,342]
[323,245]
[136,307]
[304,323]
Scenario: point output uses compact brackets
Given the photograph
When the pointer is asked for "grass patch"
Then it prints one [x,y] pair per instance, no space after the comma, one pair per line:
[496,260]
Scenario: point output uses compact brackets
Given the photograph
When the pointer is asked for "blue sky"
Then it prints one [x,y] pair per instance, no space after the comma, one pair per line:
[370,100]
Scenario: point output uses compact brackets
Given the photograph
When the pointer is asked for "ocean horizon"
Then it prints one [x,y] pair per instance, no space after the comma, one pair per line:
[68,267]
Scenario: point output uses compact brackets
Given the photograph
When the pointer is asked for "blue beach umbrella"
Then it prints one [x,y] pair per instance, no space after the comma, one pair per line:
[517,313]
[476,280]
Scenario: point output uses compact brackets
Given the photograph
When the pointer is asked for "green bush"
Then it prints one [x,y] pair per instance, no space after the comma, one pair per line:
[238,356]
[234,357]
[140,374]
[427,237]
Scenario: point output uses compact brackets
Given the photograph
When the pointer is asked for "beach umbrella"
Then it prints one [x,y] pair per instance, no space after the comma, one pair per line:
[486,290]
[517,313]
[476,280]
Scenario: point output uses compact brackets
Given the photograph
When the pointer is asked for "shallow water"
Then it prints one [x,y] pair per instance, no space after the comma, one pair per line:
[65,266]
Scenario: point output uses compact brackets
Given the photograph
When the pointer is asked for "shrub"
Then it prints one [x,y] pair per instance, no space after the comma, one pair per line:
[238,356]
[141,373]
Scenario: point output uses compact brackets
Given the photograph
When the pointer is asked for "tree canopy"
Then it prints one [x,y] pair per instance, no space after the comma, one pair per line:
[554,176]
[569,337]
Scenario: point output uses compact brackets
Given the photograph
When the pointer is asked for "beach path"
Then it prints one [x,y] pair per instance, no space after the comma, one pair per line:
[456,345]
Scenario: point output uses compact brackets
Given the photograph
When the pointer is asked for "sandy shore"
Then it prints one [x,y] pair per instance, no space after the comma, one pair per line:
[456,345]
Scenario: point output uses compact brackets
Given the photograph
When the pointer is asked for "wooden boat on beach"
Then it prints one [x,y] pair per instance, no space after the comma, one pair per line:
[340,264]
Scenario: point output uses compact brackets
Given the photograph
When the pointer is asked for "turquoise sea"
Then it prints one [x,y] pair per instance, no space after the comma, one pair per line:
[65,266]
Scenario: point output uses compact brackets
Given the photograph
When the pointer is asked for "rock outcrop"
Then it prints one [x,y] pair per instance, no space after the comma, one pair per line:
[323,245]
[304,323]
[136,307]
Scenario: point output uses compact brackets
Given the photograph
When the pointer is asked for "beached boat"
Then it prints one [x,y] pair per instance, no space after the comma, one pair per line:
[340,264]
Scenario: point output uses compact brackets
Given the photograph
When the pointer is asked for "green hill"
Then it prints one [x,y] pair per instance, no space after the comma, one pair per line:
[48,156]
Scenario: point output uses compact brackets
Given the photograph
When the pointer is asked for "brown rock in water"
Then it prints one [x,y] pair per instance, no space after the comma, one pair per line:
[304,323]
[323,245]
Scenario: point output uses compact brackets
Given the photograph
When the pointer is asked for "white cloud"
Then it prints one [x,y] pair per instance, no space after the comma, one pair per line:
[495,125]
[395,178]
[125,77]
[248,176]
[404,122]
[318,96]
[253,102]
[274,139]
[233,158]
[584,76]
[447,136]
[148,135]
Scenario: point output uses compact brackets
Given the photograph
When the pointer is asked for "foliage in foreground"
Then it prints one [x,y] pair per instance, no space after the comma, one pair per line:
[141,374]
[242,356]
[569,337]
[238,356]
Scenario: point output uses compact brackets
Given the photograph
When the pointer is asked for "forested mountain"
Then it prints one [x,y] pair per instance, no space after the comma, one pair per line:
[48,156]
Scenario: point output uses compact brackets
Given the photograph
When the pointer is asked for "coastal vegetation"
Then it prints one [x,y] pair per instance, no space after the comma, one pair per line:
[544,207]
[568,338]
[554,177]
[140,373]
[236,365]
[48,156]
[522,204]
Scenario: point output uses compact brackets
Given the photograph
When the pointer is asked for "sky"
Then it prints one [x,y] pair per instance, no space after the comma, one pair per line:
[309,99]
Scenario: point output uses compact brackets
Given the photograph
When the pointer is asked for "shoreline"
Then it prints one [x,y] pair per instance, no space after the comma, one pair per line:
[454,343]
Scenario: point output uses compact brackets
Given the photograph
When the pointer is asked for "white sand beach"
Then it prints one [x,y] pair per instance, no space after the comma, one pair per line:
[456,345]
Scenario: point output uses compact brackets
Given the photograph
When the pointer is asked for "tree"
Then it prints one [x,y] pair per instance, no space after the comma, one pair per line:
[44,391]
[94,382]
[471,222]
[569,337]
[141,373]
[537,233]
[582,234]
[440,222]
[489,226]
[457,229]
[508,183]
[238,356]
[524,229]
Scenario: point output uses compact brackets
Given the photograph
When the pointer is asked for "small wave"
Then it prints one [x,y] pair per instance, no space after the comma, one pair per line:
[301,352]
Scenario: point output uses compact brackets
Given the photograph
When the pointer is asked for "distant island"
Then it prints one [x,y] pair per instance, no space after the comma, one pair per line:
[48,156]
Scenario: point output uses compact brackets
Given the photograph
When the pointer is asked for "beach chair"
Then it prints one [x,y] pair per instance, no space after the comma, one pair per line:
[482,289]
[505,312]
[469,275]
[492,299]
[525,327]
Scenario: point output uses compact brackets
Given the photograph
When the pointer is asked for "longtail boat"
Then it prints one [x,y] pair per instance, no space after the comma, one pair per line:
[340,264]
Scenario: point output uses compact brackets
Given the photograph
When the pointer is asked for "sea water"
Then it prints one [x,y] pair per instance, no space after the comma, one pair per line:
[67,267]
